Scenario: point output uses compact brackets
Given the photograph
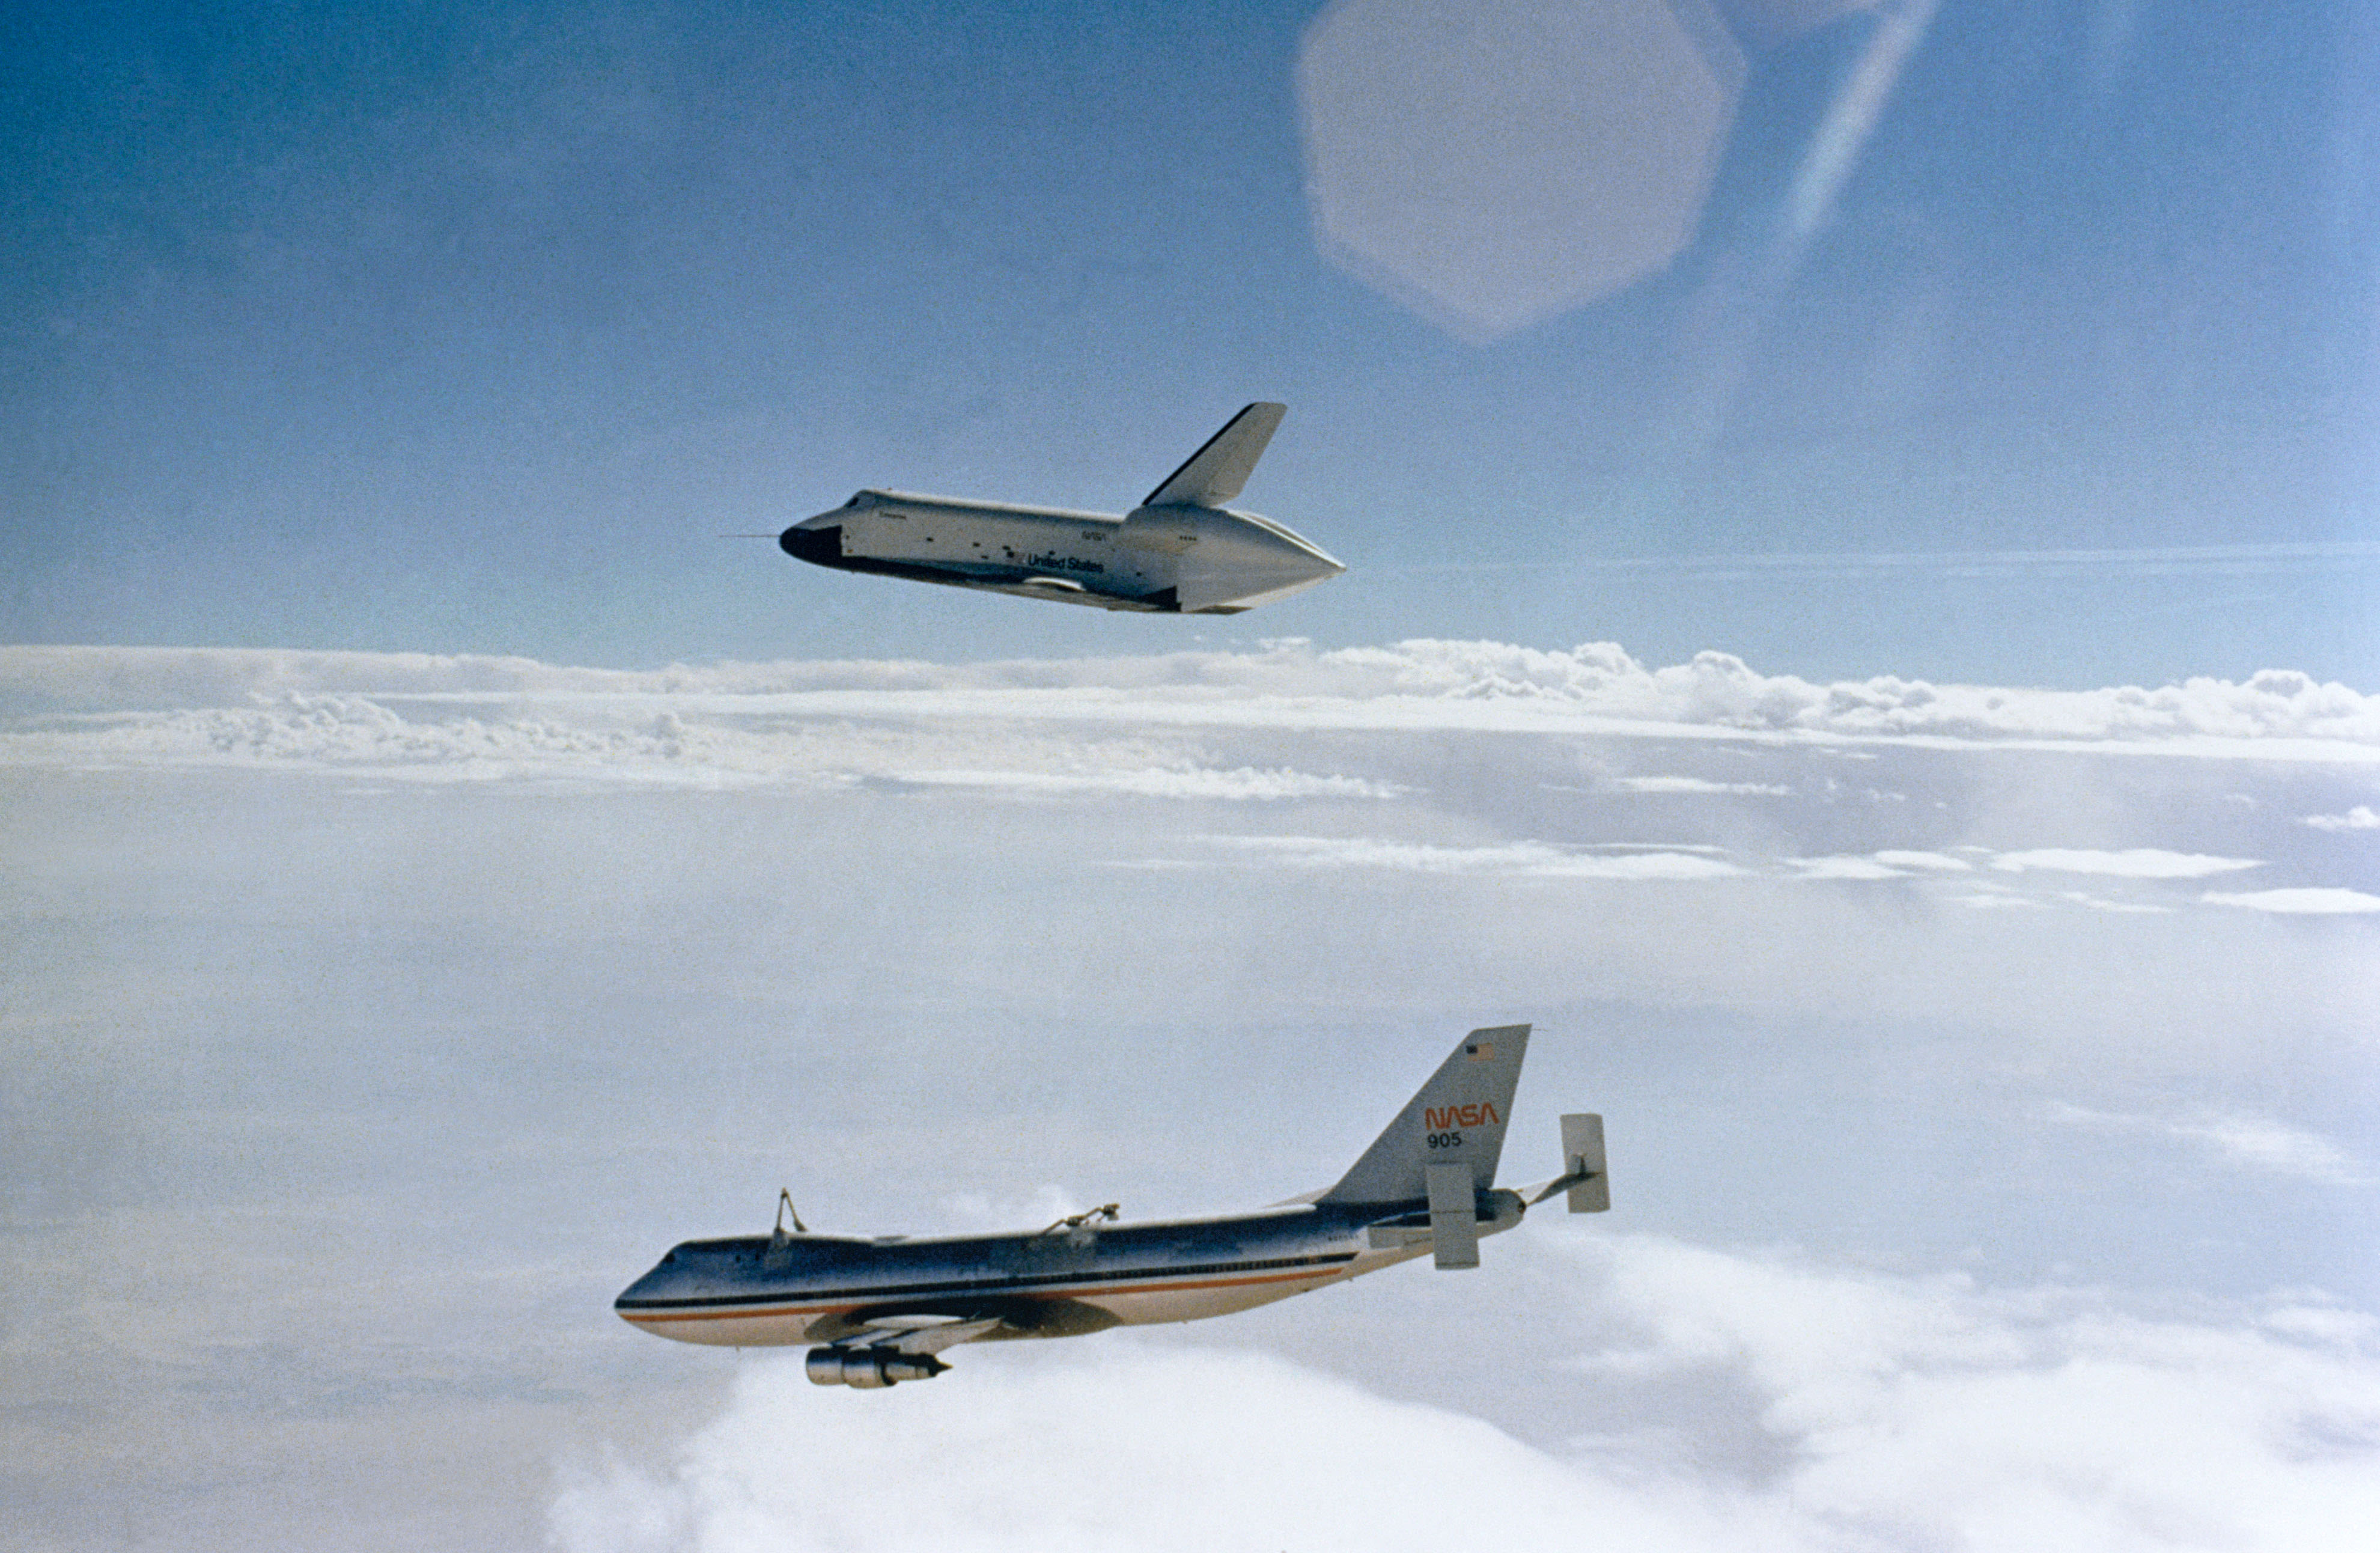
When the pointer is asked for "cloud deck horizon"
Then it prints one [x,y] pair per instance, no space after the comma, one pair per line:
[1244,729]
[283,702]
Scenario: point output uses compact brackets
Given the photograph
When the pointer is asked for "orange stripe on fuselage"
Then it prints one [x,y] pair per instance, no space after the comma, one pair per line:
[749,1311]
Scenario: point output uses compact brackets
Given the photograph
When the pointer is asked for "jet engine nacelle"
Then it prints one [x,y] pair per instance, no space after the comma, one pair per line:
[867,1369]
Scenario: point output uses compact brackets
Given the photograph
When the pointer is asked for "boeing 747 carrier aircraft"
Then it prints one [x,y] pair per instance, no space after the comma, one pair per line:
[1181,552]
[882,1311]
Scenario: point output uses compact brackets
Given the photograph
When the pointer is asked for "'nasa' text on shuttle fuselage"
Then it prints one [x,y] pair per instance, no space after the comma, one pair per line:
[1180,552]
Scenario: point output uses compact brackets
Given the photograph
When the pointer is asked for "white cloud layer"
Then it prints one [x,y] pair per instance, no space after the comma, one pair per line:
[2132,863]
[1160,782]
[1897,1412]
[1699,785]
[337,706]
[2361,817]
[262,948]
[2313,901]
[2254,1143]
[1854,868]
[1924,862]
[1285,724]
[1522,860]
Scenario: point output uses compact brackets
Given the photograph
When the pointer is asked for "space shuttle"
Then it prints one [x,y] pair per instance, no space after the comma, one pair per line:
[881,1310]
[1181,552]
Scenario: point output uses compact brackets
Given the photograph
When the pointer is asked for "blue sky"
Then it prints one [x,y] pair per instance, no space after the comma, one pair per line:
[471,330]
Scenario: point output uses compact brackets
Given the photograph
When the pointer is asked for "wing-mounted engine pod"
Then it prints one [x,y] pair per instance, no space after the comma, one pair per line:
[867,1370]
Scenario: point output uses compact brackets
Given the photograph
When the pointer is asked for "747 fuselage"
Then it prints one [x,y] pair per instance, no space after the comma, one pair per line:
[881,1310]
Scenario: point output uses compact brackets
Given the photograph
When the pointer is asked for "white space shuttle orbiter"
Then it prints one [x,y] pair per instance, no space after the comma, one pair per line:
[1181,552]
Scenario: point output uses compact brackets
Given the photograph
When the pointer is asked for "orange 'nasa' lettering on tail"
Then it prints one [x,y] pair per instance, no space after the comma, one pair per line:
[1437,1116]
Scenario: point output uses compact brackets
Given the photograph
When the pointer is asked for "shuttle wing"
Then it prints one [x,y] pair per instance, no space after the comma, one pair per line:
[1216,474]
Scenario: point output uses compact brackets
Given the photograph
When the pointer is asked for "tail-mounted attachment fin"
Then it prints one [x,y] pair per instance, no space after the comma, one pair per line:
[1583,1170]
[1453,1215]
[786,1210]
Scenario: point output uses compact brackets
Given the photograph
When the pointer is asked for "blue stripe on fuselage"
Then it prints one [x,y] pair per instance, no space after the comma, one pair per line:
[779,1294]
[754,1271]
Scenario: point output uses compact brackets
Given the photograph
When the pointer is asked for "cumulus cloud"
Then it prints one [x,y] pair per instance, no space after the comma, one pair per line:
[1904,1413]
[641,742]
[2254,1142]
[359,736]
[2361,817]
[2133,862]
[1130,1448]
[1927,1413]
[2311,901]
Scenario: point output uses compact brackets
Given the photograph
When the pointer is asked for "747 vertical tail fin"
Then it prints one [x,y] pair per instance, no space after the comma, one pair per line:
[1454,1127]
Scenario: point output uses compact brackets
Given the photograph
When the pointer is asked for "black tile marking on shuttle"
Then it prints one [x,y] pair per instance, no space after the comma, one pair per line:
[824,547]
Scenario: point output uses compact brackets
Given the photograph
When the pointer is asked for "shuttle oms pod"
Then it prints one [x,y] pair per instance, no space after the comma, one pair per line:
[883,1311]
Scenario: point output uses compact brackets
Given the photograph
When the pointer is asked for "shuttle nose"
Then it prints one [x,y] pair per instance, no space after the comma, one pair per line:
[821,544]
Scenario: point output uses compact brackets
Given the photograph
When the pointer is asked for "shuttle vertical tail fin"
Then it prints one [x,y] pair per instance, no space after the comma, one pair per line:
[1457,1120]
[1217,471]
